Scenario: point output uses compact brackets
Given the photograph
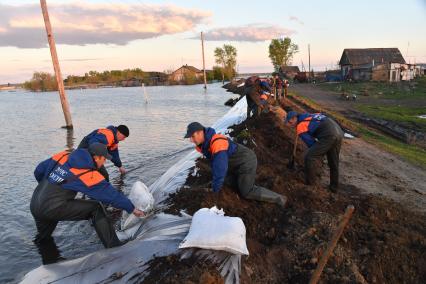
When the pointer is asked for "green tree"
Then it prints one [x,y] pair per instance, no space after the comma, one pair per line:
[281,52]
[217,73]
[226,57]
[42,81]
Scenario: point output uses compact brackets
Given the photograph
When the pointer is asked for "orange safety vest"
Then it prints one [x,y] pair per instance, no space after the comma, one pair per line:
[61,157]
[110,138]
[88,177]
[218,143]
[303,126]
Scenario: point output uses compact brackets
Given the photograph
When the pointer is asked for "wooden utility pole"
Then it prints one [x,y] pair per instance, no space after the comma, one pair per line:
[58,75]
[204,62]
[309,63]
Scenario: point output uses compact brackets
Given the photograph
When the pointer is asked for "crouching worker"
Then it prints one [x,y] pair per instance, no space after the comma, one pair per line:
[323,136]
[253,91]
[232,161]
[60,178]
[110,137]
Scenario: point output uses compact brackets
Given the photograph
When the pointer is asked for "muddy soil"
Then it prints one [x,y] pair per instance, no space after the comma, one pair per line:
[383,243]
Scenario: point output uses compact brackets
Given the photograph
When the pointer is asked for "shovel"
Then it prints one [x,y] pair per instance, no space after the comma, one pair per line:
[290,164]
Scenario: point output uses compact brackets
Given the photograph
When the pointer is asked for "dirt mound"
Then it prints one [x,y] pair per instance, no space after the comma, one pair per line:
[383,243]
[171,269]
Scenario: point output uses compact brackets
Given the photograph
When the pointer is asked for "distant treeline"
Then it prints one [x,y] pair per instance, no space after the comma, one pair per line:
[43,81]
[114,76]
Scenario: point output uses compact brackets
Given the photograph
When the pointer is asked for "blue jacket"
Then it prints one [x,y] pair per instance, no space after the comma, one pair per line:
[217,148]
[108,137]
[76,171]
[307,124]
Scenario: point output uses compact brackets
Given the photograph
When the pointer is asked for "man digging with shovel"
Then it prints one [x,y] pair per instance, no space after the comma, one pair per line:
[323,136]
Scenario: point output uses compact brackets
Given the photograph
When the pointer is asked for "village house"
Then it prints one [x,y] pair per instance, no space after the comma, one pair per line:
[376,64]
[132,82]
[289,72]
[185,72]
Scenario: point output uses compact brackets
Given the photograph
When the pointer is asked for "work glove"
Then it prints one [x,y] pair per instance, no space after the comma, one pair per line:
[138,213]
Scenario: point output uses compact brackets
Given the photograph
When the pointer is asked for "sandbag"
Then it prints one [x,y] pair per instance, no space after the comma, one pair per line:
[211,229]
[142,199]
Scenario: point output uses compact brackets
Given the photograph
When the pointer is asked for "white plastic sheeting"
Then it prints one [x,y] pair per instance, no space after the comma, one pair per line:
[160,236]
[156,235]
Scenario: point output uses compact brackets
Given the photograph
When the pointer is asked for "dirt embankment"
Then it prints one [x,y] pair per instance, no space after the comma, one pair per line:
[383,243]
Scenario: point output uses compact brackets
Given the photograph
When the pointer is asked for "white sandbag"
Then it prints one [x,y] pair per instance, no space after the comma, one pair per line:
[142,199]
[210,229]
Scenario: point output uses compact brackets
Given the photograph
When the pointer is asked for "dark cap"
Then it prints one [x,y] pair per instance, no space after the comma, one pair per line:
[123,130]
[290,115]
[193,127]
[99,149]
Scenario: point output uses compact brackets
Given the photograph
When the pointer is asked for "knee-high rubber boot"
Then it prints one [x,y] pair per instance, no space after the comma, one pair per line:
[262,194]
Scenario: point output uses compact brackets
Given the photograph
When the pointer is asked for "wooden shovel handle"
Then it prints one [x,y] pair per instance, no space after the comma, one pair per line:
[332,244]
[296,137]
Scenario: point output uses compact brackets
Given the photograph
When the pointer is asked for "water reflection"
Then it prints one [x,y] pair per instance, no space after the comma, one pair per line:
[70,139]
[118,182]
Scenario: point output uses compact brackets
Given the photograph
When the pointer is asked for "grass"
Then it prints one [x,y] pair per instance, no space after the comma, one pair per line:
[398,102]
[382,90]
[346,123]
[411,153]
[400,114]
[414,154]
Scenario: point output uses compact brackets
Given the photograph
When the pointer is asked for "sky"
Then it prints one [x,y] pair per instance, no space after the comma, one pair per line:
[162,35]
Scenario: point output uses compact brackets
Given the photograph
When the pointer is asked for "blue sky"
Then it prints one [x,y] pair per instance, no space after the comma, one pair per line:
[159,35]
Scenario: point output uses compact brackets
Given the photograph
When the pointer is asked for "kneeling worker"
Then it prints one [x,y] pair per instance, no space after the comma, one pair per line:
[60,178]
[110,137]
[323,136]
[232,161]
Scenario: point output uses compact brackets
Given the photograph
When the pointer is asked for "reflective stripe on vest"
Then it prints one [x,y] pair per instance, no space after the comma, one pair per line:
[90,178]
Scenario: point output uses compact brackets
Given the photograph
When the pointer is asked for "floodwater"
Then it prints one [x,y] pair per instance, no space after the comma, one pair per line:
[30,130]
